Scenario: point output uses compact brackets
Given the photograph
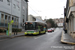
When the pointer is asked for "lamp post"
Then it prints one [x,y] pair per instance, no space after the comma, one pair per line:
[10,23]
[11,9]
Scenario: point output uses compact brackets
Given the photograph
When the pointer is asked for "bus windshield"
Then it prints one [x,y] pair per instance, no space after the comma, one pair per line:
[30,26]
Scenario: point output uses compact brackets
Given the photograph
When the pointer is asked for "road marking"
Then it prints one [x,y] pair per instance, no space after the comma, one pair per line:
[38,37]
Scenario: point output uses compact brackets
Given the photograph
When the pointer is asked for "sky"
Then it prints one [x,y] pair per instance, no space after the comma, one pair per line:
[47,8]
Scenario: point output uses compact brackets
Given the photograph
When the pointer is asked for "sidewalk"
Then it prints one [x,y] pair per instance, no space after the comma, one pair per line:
[66,38]
[11,36]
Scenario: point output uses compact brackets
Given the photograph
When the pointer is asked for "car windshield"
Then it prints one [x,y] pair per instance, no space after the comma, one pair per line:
[49,29]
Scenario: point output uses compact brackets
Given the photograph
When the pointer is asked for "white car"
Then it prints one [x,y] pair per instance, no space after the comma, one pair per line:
[53,29]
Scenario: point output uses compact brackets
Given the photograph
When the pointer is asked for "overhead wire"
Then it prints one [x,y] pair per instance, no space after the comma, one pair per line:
[33,10]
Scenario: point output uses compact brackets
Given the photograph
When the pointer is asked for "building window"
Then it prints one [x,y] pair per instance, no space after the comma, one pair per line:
[17,19]
[1,0]
[26,0]
[8,2]
[14,5]
[5,17]
[12,18]
[23,20]
[2,16]
[9,17]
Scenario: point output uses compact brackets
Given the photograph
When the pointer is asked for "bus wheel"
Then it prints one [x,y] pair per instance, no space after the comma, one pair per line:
[39,33]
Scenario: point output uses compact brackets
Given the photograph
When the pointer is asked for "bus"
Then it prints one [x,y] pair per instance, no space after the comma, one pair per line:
[35,28]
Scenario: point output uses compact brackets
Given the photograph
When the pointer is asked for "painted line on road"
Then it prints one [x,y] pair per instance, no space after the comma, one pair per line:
[38,37]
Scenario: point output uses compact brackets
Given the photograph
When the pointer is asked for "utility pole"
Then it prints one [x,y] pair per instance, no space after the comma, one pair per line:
[10,22]
[11,9]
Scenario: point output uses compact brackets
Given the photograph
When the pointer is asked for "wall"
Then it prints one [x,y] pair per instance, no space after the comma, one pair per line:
[13,7]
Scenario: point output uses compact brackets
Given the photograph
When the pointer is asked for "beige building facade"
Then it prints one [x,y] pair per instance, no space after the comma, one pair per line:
[31,18]
[70,17]
[59,22]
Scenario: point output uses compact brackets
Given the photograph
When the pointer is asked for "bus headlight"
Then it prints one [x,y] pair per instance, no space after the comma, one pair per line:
[25,32]
[34,32]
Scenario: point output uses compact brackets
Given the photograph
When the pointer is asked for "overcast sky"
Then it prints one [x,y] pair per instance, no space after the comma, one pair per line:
[46,8]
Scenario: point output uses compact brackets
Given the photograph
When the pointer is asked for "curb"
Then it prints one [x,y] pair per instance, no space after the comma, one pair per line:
[12,36]
[65,41]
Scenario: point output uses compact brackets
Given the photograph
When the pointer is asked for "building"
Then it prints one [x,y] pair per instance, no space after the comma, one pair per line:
[39,17]
[70,17]
[34,18]
[16,10]
[24,13]
[59,22]
[31,18]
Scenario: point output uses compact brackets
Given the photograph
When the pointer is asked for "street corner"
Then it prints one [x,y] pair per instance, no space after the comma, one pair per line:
[70,43]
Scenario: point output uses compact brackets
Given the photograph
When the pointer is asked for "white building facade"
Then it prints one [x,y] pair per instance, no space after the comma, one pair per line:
[70,17]
[31,18]
[59,22]
[12,10]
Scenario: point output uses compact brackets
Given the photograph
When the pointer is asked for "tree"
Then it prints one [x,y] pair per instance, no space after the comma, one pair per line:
[51,23]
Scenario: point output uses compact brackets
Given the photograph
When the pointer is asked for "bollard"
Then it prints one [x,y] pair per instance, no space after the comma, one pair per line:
[6,32]
[14,33]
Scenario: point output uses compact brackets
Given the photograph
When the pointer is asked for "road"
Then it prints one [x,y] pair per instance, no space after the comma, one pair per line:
[48,41]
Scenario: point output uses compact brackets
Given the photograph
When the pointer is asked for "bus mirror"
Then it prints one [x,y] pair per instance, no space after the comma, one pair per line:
[26,23]
[30,23]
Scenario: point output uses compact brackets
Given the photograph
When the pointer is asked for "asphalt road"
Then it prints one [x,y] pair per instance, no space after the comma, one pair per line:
[48,41]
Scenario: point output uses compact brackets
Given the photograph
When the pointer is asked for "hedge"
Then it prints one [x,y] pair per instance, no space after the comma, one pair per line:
[13,30]
[1,31]
[16,30]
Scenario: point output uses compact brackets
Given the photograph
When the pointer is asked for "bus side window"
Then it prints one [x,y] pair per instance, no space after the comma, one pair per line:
[39,28]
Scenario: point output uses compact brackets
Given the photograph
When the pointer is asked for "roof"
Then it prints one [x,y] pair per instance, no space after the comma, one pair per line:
[36,21]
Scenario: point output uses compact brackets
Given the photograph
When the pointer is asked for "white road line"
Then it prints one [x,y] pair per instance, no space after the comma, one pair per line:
[38,37]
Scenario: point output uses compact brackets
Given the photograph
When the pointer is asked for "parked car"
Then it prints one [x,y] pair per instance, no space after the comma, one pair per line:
[53,29]
[49,30]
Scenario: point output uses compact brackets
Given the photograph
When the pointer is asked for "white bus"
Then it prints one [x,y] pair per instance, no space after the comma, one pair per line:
[35,27]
